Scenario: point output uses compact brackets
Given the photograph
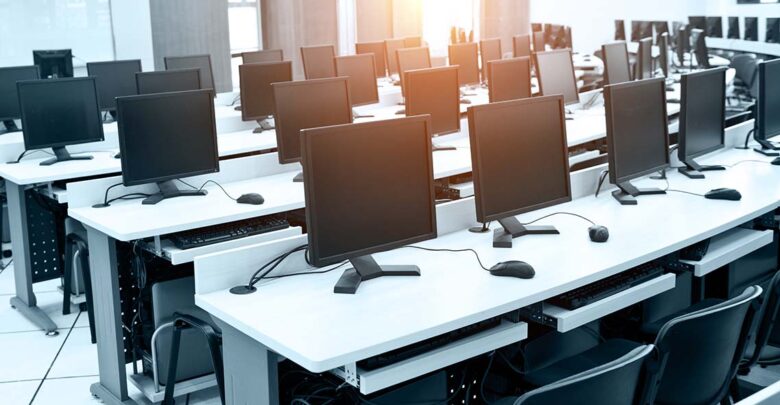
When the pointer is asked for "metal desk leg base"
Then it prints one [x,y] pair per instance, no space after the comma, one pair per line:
[107,397]
[36,316]
[251,370]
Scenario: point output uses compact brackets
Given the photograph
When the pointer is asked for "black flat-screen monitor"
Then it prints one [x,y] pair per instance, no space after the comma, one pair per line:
[616,65]
[490,50]
[661,27]
[537,27]
[676,27]
[663,58]
[734,29]
[114,79]
[167,81]
[714,27]
[683,44]
[773,30]
[702,116]
[201,62]
[318,61]
[641,30]
[767,119]
[167,136]
[698,22]
[539,43]
[466,57]
[435,92]
[644,65]
[411,59]
[751,29]
[266,55]
[354,182]
[555,71]
[54,63]
[257,97]
[378,50]
[59,112]
[620,30]
[699,42]
[391,46]
[9,97]
[361,71]
[308,104]
[510,79]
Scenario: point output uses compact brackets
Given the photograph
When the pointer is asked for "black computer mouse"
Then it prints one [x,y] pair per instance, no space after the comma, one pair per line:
[724,194]
[776,162]
[251,198]
[513,268]
[598,233]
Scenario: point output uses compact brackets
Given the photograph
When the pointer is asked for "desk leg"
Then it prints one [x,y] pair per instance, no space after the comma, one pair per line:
[251,370]
[104,275]
[24,301]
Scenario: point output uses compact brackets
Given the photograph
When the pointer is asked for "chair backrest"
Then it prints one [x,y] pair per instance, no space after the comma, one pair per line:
[745,67]
[618,382]
[700,351]
[765,323]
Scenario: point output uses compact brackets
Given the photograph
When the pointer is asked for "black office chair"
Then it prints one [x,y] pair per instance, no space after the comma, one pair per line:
[75,245]
[624,381]
[699,353]
[746,69]
[759,351]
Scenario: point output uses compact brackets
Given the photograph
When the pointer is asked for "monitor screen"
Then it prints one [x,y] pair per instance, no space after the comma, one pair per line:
[361,72]
[702,113]
[714,27]
[521,45]
[391,46]
[683,43]
[637,132]
[767,118]
[359,199]
[641,30]
[773,30]
[489,50]
[378,50]
[9,98]
[466,58]
[751,28]
[166,136]
[734,29]
[616,65]
[620,30]
[318,61]
[661,27]
[54,63]
[257,97]
[167,81]
[520,156]
[59,112]
[555,71]
[202,62]
[698,39]
[412,59]
[114,79]
[663,58]
[308,104]
[539,43]
[510,79]
[698,22]
[645,59]
[435,92]
[268,55]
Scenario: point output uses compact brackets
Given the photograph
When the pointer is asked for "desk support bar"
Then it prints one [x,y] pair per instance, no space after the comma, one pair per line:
[251,370]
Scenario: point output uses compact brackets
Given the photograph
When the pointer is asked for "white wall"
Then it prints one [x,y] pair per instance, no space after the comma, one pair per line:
[133,31]
[593,21]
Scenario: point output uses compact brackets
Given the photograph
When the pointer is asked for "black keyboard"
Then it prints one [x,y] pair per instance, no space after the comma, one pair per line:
[407,352]
[609,286]
[225,232]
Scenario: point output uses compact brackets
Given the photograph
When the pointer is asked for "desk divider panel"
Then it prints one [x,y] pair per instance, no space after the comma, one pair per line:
[46,222]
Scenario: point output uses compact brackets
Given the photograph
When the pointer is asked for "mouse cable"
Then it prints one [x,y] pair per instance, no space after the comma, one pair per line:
[479,260]
[745,161]
[669,189]
[601,181]
[204,185]
[558,213]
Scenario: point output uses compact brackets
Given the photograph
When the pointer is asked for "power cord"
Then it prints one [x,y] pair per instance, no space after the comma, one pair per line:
[747,139]
[669,189]
[746,161]
[559,213]
[601,181]
[474,252]
[204,185]
[29,152]
[130,196]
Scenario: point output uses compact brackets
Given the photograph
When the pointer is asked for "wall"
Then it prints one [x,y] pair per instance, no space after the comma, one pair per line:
[374,20]
[133,31]
[505,19]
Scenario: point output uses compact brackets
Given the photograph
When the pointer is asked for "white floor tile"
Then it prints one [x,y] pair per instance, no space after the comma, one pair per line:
[27,355]
[78,356]
[50,302]
[76,391]
[7,283]
[18,393]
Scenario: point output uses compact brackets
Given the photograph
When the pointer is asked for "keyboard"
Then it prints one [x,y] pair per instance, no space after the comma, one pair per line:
[407,352]
[609,286]
[230,231]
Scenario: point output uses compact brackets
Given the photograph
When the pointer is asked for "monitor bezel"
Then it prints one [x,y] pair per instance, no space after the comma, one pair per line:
[475,49]
[263,51]
[606,65]
[682,149]
[243,91]
[25,67]
[305,64]
[162,73]
[491,84]
[115,62]
[372,47]
[760,126]
[410,102]
[573,73]
[211,69]
[375,88]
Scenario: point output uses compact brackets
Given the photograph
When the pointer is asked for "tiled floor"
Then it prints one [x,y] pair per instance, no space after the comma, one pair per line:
[37,369]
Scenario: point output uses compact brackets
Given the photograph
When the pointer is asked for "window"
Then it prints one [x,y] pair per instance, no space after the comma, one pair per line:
[441,15]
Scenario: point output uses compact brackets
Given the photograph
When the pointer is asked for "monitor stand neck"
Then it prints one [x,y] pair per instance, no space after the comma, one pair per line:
[626,193]
[61,155]
[265,125]
[693,170]
[766,148]
[168,189]
[356,115]
[438,148]
[366,268]
[511,228]
[298,178]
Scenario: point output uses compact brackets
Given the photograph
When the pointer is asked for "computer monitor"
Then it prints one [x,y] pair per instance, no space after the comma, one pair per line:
[698,40]
[616,66]
[734,29]
[661,27]
[318,61]
[683,44]
[751,28]
[641,30]
[257,97]
[620,30]
[663,58]
[698,22]
[560,37]
[379,190]
[702,119]
[167,136]
[490,50]
[413,42]
[537,27]
[520,163]
[714,27]
[637,135]
[435,92]
[521,45]
[308,104]
[114,79]
[555,71]
[773,30]
[767,124]
[676,27]
[568,37]
[167,81]
[54,63]
[60,112]
[391,46]
[466,58]
[510,79]
[361,71]
[378,50]
[9,97]
[262,56]
[411,59]
[200,62]
[539,43]
[644,64]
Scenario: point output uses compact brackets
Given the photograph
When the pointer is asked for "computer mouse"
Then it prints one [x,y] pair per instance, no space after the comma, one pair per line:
[251,198]
[776,162]
[724,194]
[598,233]
[513,268]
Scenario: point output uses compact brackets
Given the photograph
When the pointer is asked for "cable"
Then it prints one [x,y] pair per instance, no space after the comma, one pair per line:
[273,263]
[451,251]
[5,266]
[668,188]
[484,377]
[601,181]
[746,161]
[204,185]
[130,196]
[747,139]
[29,152]
[559,213]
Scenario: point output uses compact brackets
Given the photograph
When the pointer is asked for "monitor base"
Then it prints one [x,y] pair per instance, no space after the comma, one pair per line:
[61,155]
[437,148]
[366,268]
[693,170]
[766,152]
[264,126]
[237,108]
[626,193]
[169,190]
[511,228]
[356,115]
[298,178]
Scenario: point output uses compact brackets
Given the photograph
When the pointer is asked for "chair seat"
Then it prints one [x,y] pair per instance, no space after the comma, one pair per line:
[604,353]
[651,329]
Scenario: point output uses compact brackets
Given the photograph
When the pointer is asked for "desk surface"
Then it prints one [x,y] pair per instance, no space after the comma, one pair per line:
[300,318]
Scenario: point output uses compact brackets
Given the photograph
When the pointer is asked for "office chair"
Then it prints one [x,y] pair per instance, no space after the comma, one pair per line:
[759,351]
[746,69]
[699,354]
[76,250]
[623,381]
